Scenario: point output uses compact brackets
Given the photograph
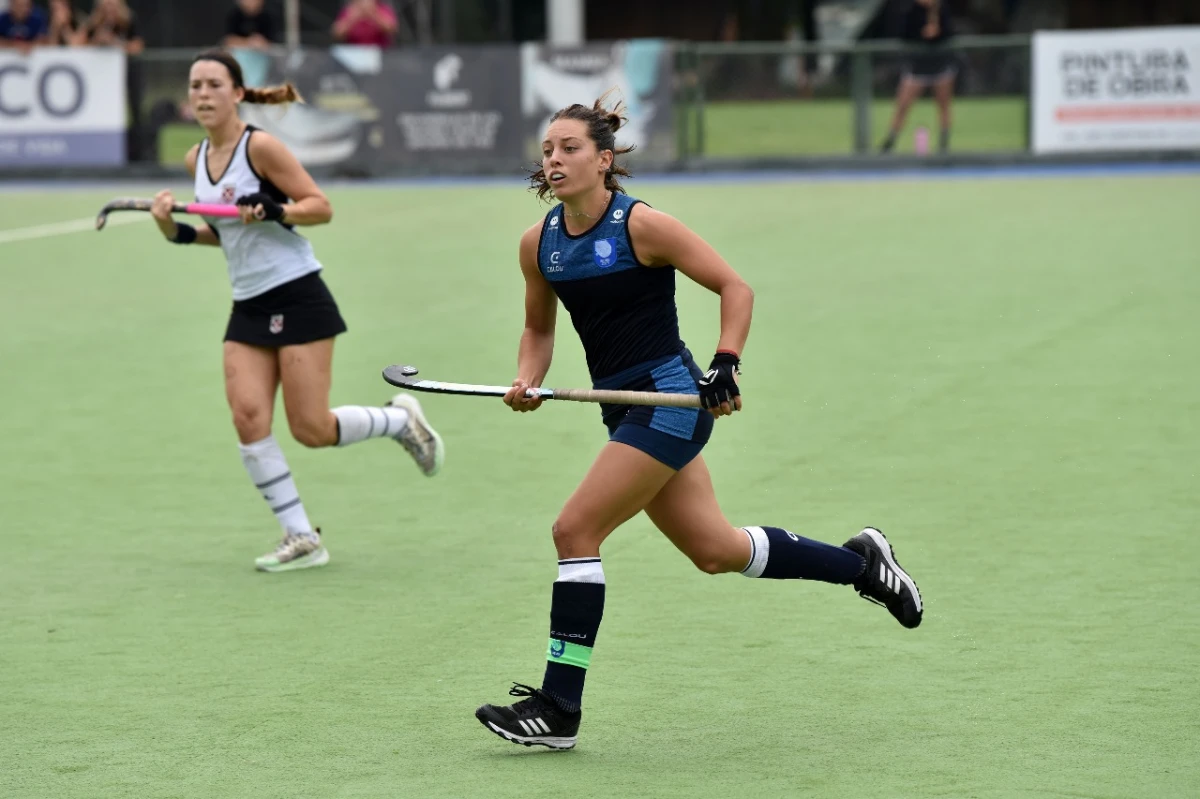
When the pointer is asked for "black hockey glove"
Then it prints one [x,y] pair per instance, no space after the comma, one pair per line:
[719,383]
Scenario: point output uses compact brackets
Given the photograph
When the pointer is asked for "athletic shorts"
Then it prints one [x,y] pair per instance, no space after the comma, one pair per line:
[297,312]
[932,66]
[673,436]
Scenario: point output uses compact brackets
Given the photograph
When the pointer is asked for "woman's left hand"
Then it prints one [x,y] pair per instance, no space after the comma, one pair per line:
[259,207]
[719,392]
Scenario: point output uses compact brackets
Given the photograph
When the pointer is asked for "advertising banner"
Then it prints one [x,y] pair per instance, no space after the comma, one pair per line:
[432,108]
[1131,89]
[639,71]
[62,107]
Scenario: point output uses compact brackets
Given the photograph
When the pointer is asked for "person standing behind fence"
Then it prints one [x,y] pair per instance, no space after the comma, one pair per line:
[22,27]
[928,23]
[249,25]
[371,22]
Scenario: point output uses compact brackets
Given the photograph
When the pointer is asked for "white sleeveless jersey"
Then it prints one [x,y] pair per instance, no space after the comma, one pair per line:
[261,256]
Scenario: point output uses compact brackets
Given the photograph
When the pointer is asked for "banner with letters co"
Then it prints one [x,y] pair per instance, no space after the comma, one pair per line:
[451,109]
[62,107]
[1132,89]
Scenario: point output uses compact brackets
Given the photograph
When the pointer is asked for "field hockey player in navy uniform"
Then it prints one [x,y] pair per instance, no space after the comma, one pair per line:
[611,260]
[284,319]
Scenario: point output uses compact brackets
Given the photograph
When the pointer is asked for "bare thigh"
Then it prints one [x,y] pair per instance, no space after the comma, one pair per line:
[306,371]
[686,511]
[251,378]
[943,93]
[620,483]
[908,91]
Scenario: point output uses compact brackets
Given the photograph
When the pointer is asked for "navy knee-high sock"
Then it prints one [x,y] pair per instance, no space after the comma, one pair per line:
[778,554]
[575,613]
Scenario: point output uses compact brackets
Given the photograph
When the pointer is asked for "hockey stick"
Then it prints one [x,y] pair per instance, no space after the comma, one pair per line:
[405,377]
[136,204]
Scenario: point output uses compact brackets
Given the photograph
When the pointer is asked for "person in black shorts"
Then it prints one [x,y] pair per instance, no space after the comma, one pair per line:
[927,23]
[284,319]
[611,260]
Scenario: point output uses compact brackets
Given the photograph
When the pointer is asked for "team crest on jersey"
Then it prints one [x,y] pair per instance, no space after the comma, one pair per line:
[606,252]
[228,194]
[276,323]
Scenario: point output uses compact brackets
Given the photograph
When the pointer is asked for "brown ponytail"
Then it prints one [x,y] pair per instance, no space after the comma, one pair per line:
[273,95]
[266,95]
[602,126]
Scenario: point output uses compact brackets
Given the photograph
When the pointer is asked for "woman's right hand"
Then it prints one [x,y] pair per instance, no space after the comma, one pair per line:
[516,399]
[161,211]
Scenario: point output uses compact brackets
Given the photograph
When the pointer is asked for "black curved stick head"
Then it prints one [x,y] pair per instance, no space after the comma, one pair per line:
[400,375]
[102,218]
[122,204]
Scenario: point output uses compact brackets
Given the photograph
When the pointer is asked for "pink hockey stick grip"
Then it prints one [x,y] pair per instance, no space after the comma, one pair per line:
[207,209]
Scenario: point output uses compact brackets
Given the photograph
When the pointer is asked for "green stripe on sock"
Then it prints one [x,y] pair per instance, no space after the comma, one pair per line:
[569,654]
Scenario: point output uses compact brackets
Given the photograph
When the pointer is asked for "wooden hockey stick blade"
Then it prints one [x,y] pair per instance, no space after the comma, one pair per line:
[404,376]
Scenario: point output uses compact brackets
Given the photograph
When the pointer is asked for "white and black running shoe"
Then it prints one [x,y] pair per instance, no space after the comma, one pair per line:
[883,581]
[534,720]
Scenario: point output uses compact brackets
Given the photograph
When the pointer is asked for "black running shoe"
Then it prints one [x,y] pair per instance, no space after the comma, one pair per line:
[883,581]
[536,720]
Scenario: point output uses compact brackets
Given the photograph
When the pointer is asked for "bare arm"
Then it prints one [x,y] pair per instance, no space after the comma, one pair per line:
[541,314]
[345,22]
[662,240]
[384,19]
[162,210]
[932,20]
[537,339]
[273,161]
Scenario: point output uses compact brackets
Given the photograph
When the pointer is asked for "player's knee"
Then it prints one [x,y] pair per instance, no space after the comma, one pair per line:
[713,563]
[252,422]
[572,536]
[710,565]
[716,559]
[311,432]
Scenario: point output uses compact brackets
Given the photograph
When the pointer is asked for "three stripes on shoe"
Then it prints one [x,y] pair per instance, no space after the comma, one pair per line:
[534,727]
[889,578]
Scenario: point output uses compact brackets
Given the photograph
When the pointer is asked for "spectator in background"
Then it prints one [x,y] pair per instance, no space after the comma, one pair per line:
[926,23]
[249,25]
[112,24]
[23,26]
[366,22]
[64,29]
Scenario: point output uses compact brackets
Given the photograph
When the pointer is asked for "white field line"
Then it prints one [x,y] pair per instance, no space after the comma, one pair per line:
[61,228]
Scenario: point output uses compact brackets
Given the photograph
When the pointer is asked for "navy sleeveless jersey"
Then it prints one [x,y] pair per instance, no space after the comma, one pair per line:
[624,312]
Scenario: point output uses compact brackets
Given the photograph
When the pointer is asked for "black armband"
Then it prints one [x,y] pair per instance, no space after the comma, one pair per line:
[184,234]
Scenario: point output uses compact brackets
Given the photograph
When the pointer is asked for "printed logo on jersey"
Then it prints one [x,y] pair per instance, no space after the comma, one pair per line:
[618,215]
[557,648]
[606,252]
[228,194]
[276,323]
[554,266]
[554,221]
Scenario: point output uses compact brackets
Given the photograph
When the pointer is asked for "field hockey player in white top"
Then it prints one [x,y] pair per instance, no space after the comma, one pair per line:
[284,319]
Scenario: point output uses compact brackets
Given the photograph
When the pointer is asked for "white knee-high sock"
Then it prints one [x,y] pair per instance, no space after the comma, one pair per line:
[358,423]
[269,471]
